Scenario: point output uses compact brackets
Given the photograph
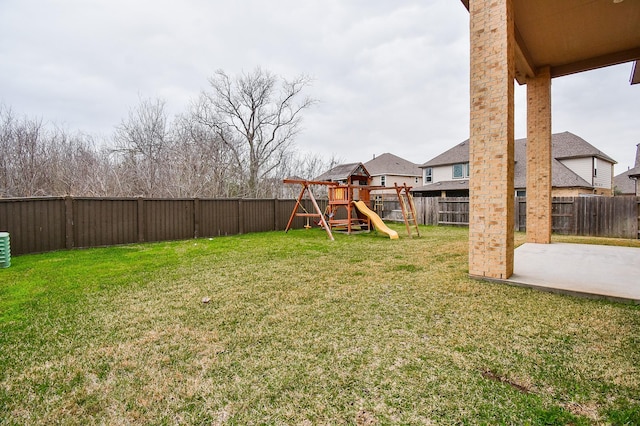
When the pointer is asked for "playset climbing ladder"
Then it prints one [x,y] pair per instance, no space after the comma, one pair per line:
[408,207]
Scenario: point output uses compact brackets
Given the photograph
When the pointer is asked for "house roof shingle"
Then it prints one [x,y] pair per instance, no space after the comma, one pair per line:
[564,145]
[445,185]
[457,154]
[624,183]
[389,164]
[341,172]
[561,175]
[567,145]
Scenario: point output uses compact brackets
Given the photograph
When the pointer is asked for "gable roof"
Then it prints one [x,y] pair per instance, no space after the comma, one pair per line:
[343,171]
[564,145]
[561,175]
[457,154]
[624,183]
[567,145]
[389,164]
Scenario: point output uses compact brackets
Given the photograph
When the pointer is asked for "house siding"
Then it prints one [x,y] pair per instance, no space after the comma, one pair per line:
[583,167]
[604,179]
[442,173]
[390,180]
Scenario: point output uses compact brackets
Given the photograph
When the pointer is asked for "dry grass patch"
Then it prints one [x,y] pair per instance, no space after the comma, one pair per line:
[301,330]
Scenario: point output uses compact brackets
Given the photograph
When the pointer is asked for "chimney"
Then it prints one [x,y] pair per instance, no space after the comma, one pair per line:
[637,156]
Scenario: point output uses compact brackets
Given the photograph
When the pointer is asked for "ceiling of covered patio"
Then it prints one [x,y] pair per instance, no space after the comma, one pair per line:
[572,36]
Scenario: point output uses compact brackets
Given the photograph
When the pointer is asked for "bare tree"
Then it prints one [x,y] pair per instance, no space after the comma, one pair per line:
[6,137]
[235,141]
[142,140]
[25,160]
[256,118]
[305,166]
[75,163]
[40,160]
[203,167]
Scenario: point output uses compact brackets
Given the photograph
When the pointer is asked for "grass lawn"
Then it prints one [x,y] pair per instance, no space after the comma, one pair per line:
[301,330]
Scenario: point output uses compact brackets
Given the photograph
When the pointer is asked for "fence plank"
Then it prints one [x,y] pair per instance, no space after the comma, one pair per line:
[562,216]
[258,215]
[105,221]
[453,211]
[166,220]
[616,217]
[35,224]
[521,214]
[219,217]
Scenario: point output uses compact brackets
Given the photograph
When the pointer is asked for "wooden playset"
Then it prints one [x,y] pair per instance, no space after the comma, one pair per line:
[349,205]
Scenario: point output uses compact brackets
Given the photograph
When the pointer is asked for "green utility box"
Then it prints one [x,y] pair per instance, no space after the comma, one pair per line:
[5,250]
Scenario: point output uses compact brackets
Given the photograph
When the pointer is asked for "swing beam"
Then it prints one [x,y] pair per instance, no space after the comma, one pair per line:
[306,188]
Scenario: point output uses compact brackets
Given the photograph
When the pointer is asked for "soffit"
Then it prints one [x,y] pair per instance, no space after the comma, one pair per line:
[572,36]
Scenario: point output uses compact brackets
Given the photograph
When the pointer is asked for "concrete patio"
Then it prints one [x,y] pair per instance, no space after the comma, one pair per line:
[595,271]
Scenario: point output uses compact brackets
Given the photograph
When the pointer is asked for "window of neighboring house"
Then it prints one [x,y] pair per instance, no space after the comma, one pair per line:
[521,193]
[595,167]
[461,170]
[428,175]
[383,181]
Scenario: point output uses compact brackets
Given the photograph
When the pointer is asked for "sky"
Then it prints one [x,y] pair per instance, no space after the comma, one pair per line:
[389,76]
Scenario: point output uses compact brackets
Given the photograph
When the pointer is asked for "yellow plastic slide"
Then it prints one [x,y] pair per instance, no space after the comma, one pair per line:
[375,219]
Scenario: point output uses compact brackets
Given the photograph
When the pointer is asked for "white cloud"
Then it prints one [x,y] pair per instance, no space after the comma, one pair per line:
[390,76]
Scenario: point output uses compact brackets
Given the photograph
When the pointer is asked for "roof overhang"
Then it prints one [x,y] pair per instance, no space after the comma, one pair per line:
[571,36]
[634,173]
[635,73]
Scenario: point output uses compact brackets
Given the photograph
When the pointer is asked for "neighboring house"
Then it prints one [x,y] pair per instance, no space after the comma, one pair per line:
[577,167]
[388,169]
[627,183]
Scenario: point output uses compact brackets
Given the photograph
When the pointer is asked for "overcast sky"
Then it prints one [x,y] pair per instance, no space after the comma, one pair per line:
[391,76]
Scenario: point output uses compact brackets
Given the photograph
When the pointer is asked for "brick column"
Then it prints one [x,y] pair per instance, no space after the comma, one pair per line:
[491,149]
[539,158]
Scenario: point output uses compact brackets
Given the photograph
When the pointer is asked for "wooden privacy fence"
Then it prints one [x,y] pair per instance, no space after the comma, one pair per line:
[617,217]
[53,223]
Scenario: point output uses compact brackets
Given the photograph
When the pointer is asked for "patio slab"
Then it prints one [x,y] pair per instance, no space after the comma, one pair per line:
[597,271]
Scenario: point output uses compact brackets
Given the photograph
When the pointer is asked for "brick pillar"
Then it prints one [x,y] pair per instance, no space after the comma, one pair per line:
[539,158]
[491,149]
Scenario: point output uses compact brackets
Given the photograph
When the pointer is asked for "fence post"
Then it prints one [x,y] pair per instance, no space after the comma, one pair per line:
[196,218]
[68,213]
[638,217]
[240,217]
[575,217]
[276,211]
[140,219]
